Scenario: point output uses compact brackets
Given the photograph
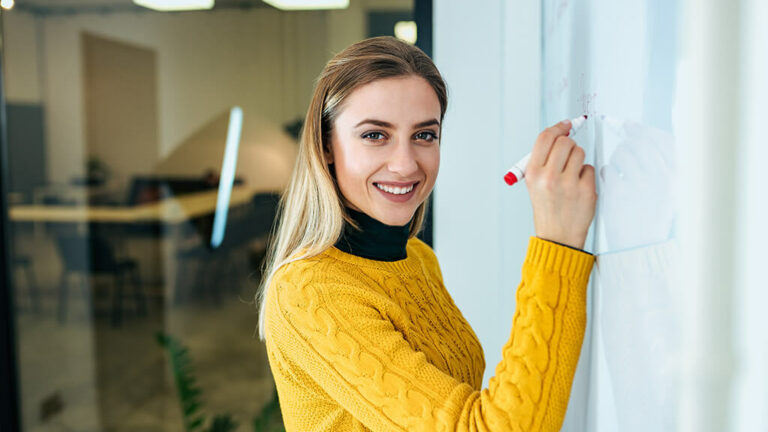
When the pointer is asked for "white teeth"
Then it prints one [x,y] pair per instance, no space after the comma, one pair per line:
[396,190]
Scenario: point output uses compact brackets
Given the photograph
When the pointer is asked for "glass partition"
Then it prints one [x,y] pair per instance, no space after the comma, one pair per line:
[134,303]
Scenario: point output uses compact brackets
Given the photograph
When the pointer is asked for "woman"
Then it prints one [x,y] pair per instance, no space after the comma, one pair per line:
[360,332]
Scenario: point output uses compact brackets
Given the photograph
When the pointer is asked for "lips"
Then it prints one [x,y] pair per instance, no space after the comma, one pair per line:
[395,197]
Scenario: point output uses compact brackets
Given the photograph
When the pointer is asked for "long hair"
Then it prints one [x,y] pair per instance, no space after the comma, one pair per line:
[311,213]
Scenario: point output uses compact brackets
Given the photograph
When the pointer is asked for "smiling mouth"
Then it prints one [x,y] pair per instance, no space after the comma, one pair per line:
[397,190]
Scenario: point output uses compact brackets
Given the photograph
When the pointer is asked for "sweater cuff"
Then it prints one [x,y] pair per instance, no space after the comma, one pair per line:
[568,261]
[562,244]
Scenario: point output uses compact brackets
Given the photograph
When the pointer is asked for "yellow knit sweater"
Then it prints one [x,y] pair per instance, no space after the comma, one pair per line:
[357,344]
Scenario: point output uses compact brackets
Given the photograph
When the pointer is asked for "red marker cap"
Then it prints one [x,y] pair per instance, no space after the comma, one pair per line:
[510,178]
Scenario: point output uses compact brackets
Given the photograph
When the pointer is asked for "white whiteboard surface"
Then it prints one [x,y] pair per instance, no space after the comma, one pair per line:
[616,62]
[512,69]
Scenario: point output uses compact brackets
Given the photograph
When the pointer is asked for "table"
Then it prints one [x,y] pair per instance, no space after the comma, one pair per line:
[170,210]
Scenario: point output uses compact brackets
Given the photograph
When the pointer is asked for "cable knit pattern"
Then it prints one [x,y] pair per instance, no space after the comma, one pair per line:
[357,344]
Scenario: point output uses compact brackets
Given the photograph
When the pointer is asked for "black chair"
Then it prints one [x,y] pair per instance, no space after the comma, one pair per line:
[94,255]
[222,269]
[250,226]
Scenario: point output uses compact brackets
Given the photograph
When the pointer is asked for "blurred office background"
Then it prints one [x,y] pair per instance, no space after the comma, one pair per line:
[117,117]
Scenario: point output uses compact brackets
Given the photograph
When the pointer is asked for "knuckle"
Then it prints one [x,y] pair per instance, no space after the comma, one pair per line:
[563,144]
[546,136]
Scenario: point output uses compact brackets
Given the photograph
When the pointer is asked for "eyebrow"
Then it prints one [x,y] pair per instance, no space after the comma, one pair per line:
[382,123]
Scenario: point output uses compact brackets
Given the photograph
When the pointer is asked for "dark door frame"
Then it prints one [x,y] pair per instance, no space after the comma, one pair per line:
[422,15]
[9,384]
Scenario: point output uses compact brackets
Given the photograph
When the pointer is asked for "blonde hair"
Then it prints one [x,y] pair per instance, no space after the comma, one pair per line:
[311,212]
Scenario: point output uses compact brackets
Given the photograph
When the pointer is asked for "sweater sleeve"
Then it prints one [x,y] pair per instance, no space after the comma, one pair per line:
[362,361]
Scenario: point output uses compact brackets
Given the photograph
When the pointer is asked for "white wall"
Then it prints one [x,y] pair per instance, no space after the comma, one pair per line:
[723,223]
[710,62]
[20,70]
[489,52]
[751,348]
[489,56]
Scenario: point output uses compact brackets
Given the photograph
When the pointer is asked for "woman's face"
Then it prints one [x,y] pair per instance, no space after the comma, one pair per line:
[385,147]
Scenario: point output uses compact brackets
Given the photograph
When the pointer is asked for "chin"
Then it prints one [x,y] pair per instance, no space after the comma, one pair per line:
[397,219]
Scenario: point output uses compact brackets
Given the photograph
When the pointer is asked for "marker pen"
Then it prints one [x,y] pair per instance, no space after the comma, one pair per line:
[517,172]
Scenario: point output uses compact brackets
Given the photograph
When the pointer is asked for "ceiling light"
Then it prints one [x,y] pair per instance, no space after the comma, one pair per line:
[175,5]
[308,4]
[406,31]
[7,4]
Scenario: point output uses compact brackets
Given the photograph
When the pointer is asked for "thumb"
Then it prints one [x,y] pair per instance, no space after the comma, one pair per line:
[561,128]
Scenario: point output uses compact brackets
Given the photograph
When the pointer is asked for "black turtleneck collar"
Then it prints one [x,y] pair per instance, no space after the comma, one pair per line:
[376,241]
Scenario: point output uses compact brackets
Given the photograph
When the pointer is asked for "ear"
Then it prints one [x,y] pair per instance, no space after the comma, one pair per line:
[328,153]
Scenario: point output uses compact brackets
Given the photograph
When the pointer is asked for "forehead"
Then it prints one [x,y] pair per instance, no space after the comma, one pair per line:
[400,100]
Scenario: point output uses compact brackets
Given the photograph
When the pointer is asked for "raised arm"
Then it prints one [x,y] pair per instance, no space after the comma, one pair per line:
[339,337]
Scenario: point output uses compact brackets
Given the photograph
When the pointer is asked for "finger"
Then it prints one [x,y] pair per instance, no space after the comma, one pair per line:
[546,140]
[587,176]
[575,161]
[560,153]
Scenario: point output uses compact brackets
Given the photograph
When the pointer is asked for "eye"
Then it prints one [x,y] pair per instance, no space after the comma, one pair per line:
[428,136]
[375,136]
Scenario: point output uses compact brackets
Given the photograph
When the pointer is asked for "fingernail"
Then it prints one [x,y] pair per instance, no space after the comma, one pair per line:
[566,122]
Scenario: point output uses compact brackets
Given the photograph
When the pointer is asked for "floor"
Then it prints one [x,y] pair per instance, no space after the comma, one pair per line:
[87,375]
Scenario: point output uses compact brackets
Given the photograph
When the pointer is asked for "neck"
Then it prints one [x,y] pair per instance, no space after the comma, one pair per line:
[375,240]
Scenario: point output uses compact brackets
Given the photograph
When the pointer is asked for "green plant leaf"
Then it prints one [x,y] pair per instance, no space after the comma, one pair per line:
[189,395]
[196,423]
[183,373]
[222,423]
[269,411]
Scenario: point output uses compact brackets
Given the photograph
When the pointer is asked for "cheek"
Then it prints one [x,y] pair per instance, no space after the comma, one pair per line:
[352,167]
[432,163]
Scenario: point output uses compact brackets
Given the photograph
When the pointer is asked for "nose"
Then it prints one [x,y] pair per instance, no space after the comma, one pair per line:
[403,159]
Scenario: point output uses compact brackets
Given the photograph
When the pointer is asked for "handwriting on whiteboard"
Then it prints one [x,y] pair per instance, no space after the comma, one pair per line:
[586,98]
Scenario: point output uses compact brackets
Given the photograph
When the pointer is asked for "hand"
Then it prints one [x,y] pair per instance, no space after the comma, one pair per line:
[561,187]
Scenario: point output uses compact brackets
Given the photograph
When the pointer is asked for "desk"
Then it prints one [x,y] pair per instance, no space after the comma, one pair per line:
[170,210]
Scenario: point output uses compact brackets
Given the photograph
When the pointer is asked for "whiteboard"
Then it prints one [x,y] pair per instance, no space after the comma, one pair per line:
[616,62]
